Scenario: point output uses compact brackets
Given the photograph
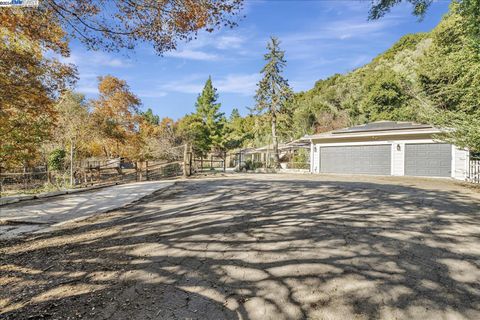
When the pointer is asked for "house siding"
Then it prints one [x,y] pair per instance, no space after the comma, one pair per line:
[459,159]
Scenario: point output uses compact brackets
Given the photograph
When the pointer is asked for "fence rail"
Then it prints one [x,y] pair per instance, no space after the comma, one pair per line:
[474,170]
[38,179]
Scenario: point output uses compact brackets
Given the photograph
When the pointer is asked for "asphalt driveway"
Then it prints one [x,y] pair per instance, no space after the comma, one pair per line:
[259,247]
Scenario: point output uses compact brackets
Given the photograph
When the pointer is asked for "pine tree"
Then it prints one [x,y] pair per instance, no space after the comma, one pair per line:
[212,120]
[273,92]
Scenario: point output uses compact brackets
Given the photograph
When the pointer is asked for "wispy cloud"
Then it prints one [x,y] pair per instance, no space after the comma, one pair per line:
[244,84]
[192,55]
[150,93]
[229,42]
[93,59]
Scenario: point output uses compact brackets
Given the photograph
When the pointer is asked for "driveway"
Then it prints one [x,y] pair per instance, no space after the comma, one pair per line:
[35,215]
[259,247]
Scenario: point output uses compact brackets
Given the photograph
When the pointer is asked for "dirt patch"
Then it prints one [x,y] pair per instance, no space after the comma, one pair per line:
[257,247]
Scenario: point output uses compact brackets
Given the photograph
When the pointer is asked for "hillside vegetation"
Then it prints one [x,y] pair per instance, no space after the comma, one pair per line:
[429,77]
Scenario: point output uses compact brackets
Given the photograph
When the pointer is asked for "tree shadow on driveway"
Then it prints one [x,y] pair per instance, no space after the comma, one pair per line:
[255,249]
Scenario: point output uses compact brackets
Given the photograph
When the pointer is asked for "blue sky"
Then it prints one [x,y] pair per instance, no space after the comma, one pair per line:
[320,38]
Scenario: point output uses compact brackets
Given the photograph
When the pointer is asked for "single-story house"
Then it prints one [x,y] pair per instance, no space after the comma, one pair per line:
[265,154]
[387,148]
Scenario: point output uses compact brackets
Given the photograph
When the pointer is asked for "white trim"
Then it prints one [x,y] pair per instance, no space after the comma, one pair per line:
[362,143]
[452,169]
[392,159]
[372,134]
[366,143]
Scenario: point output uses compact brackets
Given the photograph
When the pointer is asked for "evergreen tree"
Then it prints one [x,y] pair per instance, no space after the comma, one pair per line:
[210,135]
[273,92]
[150,117]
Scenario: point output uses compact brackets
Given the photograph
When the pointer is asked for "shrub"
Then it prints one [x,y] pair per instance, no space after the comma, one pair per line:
[56,160]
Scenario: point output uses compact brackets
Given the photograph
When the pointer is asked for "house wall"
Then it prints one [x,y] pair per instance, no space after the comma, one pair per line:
[398,158]
[460,157]
[460,161]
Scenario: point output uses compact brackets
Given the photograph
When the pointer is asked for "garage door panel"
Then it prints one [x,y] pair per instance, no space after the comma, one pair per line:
[428,159]
[356,159]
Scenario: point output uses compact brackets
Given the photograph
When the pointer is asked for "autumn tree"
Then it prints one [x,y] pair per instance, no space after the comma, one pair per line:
[113,25]
[273,92]
[116,115]
[30,81]
[72,127]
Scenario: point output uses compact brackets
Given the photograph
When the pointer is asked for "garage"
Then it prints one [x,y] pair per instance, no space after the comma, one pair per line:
[364,159]
[387,148]
[428,159]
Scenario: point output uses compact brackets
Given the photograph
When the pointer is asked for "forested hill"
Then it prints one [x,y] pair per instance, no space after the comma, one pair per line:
[426,77]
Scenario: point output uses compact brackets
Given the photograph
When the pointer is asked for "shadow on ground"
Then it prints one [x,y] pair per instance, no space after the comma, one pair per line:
[253,249]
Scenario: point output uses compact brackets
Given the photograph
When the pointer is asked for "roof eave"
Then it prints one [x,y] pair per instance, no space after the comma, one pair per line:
[330,135]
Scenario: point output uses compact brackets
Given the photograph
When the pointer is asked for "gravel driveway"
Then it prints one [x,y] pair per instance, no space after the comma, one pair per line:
[259,247]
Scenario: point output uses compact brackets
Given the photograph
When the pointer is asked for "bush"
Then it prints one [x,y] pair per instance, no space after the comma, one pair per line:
[56,160]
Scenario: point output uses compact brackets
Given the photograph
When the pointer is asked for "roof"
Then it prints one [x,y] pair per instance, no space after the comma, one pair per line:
[382,126]
[295,144]
[378,128]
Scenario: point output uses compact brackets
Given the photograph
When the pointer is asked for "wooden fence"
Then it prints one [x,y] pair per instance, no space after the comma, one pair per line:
[31,179]
[474,170]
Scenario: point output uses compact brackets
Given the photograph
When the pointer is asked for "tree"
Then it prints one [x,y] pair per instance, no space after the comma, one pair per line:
[469,10]
[208,121]
[150,117]
[273,93]
[72,125]
[113,25]
[30,81]
[237,130]
[116,114]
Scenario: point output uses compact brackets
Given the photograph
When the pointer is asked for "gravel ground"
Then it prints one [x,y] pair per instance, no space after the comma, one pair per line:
[258,247]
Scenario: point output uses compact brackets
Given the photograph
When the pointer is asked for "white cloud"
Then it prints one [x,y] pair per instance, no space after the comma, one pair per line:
[92,59]
[228,42]
[86,89]
[192,55]
[244,84]
[150,93]
[189,84]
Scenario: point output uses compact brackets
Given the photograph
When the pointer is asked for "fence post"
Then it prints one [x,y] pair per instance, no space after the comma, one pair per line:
[185,155]
[225,161]
[146,170]
[190,160]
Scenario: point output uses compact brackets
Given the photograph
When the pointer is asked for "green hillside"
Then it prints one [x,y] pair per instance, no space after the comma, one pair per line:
[428,77]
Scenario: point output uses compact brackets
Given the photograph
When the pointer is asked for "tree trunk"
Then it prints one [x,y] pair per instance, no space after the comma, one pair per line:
[71,163]
[276,156]
[1,181]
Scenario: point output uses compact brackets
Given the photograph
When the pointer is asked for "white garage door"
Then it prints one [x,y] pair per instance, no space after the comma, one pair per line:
[428,159]
[356,159]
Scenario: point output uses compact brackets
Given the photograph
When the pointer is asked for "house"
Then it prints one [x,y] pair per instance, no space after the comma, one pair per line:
[387,148]
[263,156]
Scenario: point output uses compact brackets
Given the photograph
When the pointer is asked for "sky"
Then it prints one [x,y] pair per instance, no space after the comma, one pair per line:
[319,37]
